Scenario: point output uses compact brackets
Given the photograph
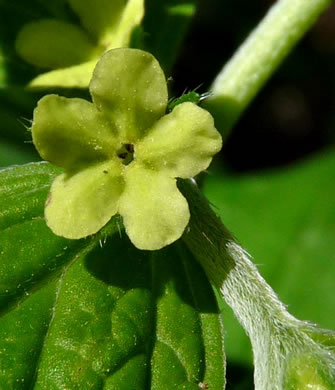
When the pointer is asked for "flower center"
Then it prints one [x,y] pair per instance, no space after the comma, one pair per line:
[126,153]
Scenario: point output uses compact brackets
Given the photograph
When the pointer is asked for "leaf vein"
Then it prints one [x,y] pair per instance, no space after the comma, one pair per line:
[53,313]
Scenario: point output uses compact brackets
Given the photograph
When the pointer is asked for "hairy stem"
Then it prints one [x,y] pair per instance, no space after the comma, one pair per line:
[259,56]
[275,334]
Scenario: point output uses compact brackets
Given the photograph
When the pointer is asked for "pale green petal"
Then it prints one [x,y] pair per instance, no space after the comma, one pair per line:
[111,22]
[82,204]
[99,17]
[181,143]
[72,132]
[77,76]
[154,212]
[51,43]
[130,87]
[131,17]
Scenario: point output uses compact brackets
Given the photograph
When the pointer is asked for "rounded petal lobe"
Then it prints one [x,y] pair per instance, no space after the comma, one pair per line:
[81,204]
[51,43]
[154,212]
[71,132]
[130,87]
[110,21]
[181,143]
[99,17]
[76,76]
[131,17]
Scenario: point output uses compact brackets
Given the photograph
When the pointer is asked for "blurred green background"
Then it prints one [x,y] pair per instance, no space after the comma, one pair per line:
[272,184]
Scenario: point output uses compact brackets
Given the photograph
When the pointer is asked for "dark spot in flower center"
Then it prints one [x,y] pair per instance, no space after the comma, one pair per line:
[126,153]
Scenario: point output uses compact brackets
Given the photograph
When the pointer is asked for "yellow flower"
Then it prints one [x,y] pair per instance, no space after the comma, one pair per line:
[121,153]
[74,50]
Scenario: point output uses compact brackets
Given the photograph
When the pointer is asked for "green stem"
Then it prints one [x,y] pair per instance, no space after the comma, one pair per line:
[259,56]
[274,333]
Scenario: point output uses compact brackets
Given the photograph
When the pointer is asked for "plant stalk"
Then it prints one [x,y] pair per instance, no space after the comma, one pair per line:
[276,336]
[258,57]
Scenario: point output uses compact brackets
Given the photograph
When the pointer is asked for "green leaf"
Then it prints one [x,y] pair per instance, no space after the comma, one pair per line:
[286,221]
[97,313]
[165,24]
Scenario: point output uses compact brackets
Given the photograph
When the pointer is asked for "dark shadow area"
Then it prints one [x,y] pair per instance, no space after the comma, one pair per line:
[13,16]
[294,115]
[239,376]
[119,263]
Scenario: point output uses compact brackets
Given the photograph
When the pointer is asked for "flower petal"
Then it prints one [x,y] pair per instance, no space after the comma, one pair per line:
[51,43]
[111,22]
[99,16]
[181,143]
[130,87]
[76,76]
[131,17]
[71,132]
[81,204]
[154,212]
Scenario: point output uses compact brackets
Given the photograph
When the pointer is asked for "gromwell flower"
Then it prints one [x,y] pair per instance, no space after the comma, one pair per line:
[72,50]
[121,153]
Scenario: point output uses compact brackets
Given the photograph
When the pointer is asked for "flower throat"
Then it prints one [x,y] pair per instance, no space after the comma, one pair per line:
[126,153]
